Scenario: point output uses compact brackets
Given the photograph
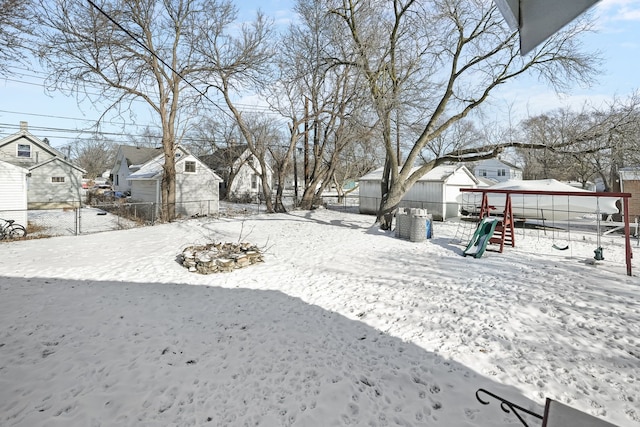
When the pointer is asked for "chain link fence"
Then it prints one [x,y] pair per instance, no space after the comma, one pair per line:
[119,214]
[102,216]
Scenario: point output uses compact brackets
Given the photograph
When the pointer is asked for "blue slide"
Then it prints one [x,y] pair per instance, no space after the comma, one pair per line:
[481,237]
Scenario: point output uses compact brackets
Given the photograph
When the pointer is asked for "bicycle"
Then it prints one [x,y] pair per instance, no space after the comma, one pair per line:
[10,230]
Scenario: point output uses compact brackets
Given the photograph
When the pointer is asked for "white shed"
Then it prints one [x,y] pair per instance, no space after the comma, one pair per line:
[436,191]
[13,193]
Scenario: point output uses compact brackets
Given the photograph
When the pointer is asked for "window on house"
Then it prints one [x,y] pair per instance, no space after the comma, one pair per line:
[502,172]
[254,182]
[482,172]
[57,179]
[190,167]
[24,150]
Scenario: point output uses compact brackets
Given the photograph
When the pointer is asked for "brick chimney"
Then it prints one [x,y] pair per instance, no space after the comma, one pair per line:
[24,126]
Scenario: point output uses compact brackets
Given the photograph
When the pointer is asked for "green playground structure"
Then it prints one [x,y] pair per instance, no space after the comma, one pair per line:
[481,237]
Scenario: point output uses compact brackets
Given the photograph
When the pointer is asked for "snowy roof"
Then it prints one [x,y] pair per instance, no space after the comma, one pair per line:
[150,170]
[439,173]
[154,168]
[536,185]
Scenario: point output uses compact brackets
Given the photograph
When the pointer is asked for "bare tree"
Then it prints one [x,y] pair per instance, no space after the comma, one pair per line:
[14,27]
[238,60]
[450,56]
[549,130]
[94,155]
[131,50]
[285,98]
[214,132]
[330,98]
[149,138]
[359,158]
[592,143]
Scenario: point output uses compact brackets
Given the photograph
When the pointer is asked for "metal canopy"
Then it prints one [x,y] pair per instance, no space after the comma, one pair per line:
[536,20]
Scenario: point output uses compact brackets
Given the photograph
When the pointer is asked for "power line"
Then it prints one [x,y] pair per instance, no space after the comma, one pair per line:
[154,54]
[243,107]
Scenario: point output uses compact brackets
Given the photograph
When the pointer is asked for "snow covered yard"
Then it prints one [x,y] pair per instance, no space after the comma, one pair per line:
[341,325]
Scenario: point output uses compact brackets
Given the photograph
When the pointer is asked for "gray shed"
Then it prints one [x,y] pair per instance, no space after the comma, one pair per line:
[436,191]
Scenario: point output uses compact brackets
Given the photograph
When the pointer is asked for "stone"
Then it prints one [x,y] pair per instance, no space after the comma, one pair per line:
[219,257]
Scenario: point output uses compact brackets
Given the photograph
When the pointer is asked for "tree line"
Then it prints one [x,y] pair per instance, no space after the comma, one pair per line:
[351,83]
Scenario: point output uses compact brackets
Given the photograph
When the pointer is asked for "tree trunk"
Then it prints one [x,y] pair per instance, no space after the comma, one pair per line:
[388,206]
[280,183]
[266,188]
[386,211]
[168,184]
[306,202]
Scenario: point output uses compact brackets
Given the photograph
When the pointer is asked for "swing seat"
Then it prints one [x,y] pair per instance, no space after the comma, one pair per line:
[598,254]
[560,248]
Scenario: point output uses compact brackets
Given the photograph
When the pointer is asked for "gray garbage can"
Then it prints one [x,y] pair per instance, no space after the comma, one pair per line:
[403,224]
[418,231]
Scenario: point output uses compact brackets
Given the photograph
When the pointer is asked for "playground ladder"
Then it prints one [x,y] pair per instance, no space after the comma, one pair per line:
[504,230]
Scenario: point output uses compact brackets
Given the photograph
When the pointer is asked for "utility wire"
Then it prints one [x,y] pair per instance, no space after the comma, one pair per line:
[204,95]
[244,107]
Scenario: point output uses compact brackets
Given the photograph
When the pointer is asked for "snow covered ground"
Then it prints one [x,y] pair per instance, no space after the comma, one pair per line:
[341,325]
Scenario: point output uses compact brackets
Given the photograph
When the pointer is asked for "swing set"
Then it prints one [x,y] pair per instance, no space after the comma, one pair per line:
[504,231]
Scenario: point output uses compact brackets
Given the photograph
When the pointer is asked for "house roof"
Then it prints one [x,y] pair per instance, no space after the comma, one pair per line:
[138,155]
[150,170]
[486,182]
[438,174]
[24,133]
[58,159]
[153,169]
[223,157]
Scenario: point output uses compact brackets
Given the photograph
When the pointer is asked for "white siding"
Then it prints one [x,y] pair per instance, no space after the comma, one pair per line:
[369,196]
[243,181]
[13,193]
[45,194]
[120,182]
[196,193]
[437,196]
[144,191]
[493,168]
[426,195]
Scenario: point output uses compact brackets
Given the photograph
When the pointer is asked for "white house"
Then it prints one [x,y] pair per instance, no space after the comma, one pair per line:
[436,191]
[13,193]
[497,170]
[197,186]
[54,181]
[239,170]
[128,160]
